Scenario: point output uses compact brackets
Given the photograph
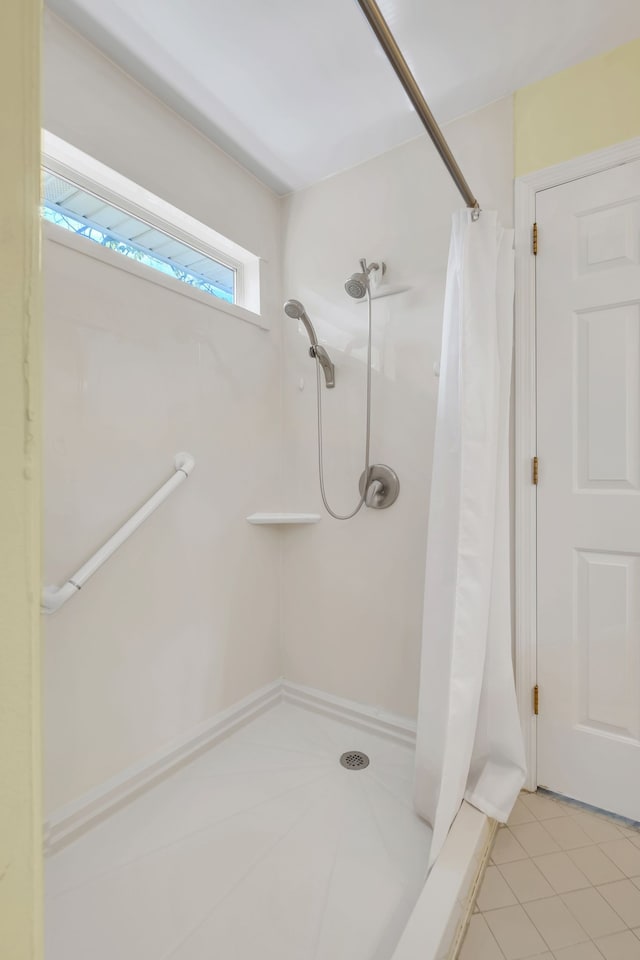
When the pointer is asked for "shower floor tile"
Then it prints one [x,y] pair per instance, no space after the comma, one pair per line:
[264,846]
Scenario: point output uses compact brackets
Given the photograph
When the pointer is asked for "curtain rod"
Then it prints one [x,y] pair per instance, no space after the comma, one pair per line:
[388,43]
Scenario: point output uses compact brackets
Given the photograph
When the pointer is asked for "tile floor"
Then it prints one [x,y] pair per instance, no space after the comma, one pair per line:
[563,883]
[262,847]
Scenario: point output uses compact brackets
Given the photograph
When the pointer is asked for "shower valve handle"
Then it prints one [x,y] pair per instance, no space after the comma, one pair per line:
[374,490]
[381,487]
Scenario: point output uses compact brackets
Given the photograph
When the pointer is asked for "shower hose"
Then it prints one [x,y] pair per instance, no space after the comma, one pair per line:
[358,507]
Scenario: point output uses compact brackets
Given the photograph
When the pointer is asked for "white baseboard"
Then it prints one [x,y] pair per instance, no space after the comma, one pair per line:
[370,718]
[75,818]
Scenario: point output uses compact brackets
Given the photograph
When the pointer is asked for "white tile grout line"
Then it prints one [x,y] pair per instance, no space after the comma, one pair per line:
[568,809]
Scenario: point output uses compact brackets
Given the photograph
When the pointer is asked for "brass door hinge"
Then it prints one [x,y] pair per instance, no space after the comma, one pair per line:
[536,700]
[534,471]
[535,240]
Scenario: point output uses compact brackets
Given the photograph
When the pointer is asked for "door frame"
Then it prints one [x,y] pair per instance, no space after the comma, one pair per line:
[525,509]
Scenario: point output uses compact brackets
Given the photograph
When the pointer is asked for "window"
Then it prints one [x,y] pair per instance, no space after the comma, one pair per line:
[74,209]
[83,197]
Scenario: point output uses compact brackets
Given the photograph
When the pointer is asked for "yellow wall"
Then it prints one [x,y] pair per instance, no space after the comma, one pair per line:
[585,108]
[20,734]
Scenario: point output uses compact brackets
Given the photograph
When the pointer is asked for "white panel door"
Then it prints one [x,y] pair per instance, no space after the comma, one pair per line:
[588,388]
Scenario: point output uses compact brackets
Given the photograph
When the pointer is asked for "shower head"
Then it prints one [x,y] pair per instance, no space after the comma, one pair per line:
[296,310]
[358,283]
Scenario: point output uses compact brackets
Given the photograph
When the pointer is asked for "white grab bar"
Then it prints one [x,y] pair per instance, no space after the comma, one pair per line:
[54,597]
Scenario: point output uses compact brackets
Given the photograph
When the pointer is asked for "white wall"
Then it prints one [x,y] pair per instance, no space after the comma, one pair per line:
[353,591]
[185,619]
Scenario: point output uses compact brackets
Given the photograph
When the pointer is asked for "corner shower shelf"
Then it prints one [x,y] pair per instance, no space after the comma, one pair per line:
[282,518]
[385,290]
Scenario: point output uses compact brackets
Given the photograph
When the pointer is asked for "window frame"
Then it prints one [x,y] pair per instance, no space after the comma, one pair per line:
[94,177]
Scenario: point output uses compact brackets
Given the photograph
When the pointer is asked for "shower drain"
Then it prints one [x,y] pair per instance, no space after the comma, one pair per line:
[354,760]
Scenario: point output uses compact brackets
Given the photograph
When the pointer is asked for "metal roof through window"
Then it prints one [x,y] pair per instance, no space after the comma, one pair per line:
[85,214]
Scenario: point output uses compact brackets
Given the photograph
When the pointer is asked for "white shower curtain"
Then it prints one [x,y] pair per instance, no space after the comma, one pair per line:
[469,742]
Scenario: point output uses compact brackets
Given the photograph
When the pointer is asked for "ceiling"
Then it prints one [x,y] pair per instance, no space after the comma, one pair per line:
[298,90]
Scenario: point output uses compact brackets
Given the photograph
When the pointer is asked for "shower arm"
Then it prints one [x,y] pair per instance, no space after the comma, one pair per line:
[387,41]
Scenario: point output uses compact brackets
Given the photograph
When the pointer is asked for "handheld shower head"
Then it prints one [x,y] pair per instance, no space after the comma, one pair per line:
[293,309]
[296,310]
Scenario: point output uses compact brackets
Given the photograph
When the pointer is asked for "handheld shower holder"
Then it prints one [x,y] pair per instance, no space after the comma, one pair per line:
[320,354]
